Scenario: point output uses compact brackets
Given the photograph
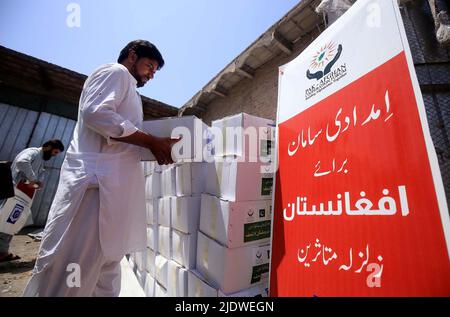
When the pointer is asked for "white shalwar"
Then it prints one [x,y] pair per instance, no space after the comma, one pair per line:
[98,213]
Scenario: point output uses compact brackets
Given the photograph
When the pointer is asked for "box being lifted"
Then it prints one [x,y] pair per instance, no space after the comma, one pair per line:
[192,130]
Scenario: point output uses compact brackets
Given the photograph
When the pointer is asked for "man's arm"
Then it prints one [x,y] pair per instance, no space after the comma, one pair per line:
[160,147]
[104,94]
[99,112]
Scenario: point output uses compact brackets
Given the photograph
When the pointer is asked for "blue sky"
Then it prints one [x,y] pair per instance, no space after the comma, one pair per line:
[197,38]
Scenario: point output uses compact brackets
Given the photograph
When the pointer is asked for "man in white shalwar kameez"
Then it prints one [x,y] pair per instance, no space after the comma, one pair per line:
[98,213]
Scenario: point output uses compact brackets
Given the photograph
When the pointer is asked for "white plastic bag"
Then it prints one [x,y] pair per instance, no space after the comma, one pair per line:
[334,8]
[443,31]
[15,212]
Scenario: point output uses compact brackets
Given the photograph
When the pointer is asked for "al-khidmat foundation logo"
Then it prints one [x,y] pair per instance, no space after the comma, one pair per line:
[322,68]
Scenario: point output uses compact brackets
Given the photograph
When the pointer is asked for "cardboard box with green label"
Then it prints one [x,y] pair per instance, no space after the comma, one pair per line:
[236,224]
[232,270]
[234,180]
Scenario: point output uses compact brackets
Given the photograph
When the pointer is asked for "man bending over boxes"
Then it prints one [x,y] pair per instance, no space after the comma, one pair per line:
[98,213]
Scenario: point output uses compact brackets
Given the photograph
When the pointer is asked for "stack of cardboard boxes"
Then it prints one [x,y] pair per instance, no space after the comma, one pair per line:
[190,183]
[143,263]
[176,213]
[209,222]
[233,248]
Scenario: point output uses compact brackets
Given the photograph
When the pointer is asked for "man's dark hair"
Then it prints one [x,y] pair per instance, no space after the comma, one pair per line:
[55,144]
[142,48]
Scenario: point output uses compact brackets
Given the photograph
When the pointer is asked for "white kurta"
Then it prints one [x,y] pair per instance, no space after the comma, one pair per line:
[96,276]
[109,107]
[28,165]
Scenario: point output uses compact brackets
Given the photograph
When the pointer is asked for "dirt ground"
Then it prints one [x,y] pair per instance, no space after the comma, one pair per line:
[14,275]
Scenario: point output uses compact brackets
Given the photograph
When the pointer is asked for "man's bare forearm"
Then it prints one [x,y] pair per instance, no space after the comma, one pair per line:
[138,138]
[160,147]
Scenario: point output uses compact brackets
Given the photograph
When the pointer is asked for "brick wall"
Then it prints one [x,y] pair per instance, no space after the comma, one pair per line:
[257,96]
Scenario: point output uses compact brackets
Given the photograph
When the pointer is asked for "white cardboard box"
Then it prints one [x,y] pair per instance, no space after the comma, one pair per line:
[161,267]
[242,135]
[152,211]
[150,264]
[232,270]
[149,288]
[260,290]
[160,291]
[198,286]
[152,237]
[168,182]
[166,167]
[236,224]
[185,213]
[141,276]
[132,262]
[131,257]
[153,167]
[192,130]
[190,179]
[164,205]
[164,241]
[159,128]
[215,176]
[177,280]
[184,248]
[145,168]
[150,167]
[239,181]
[153,186]
[141,260]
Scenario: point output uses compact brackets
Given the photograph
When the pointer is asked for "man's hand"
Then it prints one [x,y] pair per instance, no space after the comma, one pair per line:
[35,184]
[160,147]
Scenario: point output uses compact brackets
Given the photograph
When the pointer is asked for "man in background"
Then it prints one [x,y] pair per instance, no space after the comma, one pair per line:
[28,167]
